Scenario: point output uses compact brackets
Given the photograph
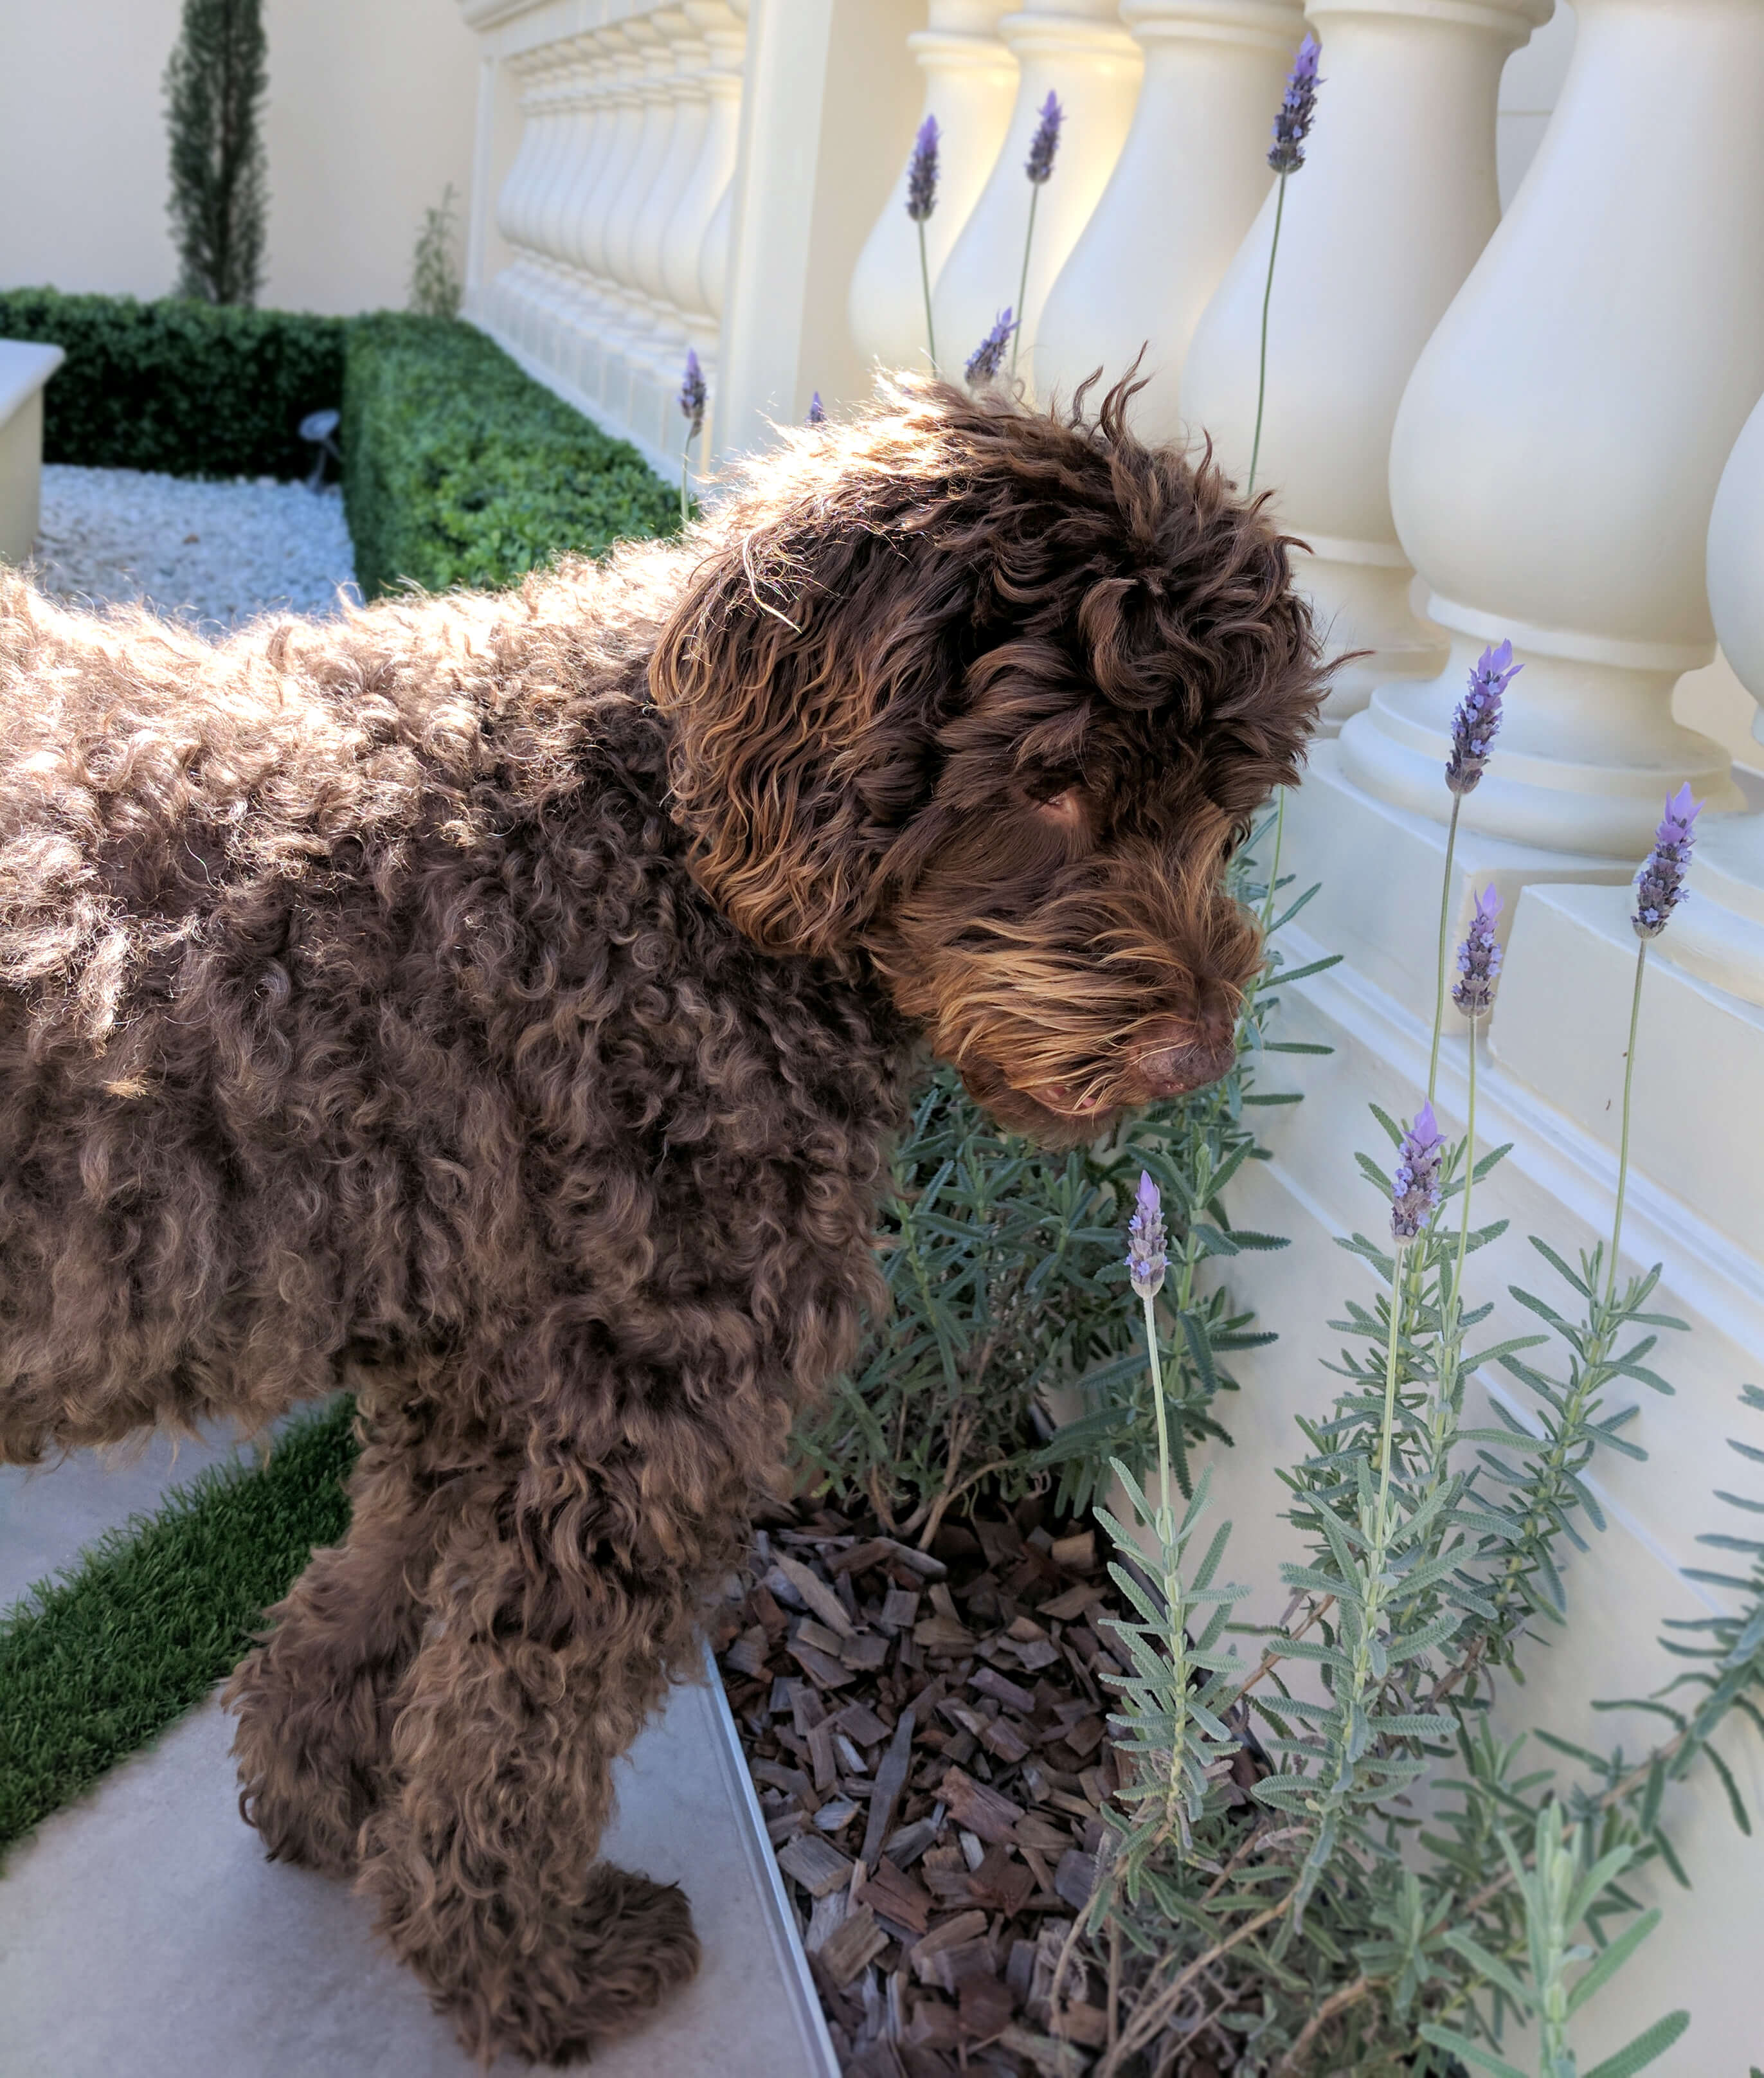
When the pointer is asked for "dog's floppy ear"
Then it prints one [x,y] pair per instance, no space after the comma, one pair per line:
[806,670]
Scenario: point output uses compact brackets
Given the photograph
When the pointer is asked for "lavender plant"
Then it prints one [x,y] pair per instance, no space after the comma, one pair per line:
[921,200]
[1003,1264]
[1474,726]
[693,399]
[983,363]
[1272,1889]
[1292,125]
[1044,149]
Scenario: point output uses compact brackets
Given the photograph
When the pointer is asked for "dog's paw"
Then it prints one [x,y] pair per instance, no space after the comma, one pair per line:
[632,1945]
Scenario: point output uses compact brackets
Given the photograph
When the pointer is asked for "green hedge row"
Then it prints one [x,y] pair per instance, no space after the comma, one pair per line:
[193,389]
[460,469]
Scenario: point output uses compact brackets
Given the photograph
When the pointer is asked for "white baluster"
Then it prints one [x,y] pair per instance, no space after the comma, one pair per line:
[1191,176]
[562,282]
[1556,458]
[626,111]
[970,87]
[553,115]
[626,320]
[725,38]
[1719,932]
[579,315]
[512,209]
[661,344]
[1078,50]
[1396,199]
[714,254]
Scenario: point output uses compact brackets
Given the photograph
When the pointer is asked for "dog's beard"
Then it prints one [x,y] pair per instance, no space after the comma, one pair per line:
[1062,1019]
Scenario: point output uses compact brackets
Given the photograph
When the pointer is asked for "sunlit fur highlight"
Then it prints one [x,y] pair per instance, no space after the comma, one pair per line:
[502,1006]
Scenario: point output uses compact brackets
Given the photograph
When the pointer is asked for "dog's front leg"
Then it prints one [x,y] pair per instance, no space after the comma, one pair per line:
[314,1700]
[544,1654]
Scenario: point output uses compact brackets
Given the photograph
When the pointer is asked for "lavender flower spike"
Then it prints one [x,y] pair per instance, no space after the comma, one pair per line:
[1478,959]
[922,171]
[1299,108]
[1660,884]
[1147,1258]
[1416,1189]
[983,362]
[1478,717]
[817,411]
[1039,165]
[693,395]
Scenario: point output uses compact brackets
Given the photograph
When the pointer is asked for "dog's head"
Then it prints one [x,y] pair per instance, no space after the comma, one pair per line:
[987,695]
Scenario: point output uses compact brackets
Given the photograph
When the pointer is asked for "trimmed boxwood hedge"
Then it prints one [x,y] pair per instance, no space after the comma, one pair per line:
[193,389]
[460,469]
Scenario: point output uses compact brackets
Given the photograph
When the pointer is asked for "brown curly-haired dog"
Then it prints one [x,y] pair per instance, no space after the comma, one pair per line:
[502,1005]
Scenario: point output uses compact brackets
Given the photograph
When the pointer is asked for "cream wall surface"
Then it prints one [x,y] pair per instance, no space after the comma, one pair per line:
[371,113]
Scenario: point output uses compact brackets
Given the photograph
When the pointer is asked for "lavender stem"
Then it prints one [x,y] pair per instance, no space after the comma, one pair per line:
[1267,297]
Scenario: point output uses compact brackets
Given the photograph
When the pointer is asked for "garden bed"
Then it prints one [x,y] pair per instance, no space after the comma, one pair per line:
[928,1735]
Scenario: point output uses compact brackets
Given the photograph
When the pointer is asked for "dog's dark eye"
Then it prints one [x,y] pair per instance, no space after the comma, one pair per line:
[1067,809]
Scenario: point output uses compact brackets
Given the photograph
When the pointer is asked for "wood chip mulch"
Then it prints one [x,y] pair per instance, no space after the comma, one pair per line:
[928,1734]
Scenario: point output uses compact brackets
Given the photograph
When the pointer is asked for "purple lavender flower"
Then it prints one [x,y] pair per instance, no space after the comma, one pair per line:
[983,362]
[817,411]
[1292,125]
[1147,1258]
[922,171]
[1660,884]
[1039,165]
[693,395]
[1416,1187]
[1478,959]
[1478,717]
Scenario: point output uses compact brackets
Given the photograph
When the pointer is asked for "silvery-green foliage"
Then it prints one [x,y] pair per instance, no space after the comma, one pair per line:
[1170,1727]
[1559,1886]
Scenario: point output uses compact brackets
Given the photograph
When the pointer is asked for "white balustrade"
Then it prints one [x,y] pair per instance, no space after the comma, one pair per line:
[1718,934]
[1395,201]
[970,87]
[1190,177]
[1078,50]
[1556,458]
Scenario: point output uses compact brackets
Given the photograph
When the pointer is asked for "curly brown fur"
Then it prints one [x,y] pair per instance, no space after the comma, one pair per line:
[503,1004]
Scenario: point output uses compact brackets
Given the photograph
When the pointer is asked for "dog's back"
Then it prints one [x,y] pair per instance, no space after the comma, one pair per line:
[351,985]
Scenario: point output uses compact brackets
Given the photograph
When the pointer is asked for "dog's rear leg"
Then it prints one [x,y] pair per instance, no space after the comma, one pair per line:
[313,1700]
[544,1663]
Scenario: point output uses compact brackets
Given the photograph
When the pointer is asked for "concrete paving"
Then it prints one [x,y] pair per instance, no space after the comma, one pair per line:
[48,1513]
[144,1935]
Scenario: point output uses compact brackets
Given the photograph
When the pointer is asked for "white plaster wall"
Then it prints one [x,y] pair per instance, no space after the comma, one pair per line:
[371,112]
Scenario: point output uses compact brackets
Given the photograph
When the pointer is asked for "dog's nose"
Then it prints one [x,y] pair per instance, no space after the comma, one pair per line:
[1178,1054]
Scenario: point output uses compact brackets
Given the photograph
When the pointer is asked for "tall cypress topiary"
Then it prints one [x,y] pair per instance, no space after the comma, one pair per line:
[214,85]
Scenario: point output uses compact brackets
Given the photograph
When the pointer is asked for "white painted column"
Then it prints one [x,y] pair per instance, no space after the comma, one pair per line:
[1395,200]
[1078,50]
[713,259]
[1191,176]
[970,87]
[1719,933]
[1556,459]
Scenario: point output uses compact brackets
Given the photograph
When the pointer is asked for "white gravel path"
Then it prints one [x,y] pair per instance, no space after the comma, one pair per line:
[215,553]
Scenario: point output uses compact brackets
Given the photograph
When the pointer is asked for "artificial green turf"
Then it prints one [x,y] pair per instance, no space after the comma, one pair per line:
[93,1665]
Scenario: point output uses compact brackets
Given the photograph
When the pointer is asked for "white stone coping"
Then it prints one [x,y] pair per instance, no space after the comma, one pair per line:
[25,366]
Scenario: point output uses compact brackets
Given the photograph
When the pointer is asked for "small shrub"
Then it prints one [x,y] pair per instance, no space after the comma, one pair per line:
[214,85]
[435,275]
[193,389]
[459,470]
